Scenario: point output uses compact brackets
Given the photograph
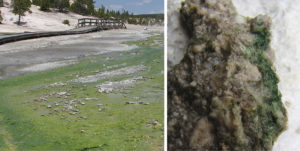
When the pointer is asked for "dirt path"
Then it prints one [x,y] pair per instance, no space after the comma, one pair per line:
[7,138]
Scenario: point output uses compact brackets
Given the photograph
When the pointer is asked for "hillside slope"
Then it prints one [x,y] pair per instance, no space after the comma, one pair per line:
[37,20]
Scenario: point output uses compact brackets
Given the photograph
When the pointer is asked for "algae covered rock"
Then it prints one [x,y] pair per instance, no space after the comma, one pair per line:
[223,95]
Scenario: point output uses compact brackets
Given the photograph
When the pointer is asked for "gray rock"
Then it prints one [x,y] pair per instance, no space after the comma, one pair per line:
[91,99]
[128,102]
[99,105]
[144,103]
[152,122]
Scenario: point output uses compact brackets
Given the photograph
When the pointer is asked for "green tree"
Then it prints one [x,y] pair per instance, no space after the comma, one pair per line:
[1,18]
[45,5]
[36,2]
[83,7]
[1,3]
[20,7]
[101,12]
[61,5]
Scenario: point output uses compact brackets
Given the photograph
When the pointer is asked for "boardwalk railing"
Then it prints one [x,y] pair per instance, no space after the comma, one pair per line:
[85,25]
[102,23]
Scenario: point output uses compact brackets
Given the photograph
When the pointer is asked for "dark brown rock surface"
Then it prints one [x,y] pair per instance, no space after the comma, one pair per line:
[223,95]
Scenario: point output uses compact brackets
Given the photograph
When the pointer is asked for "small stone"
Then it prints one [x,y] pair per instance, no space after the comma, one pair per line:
[128,102]
[193,84]
[62,93]
[49,106]
[144,103]
[43,98]
[91,99]
[82,131]
[82,103]
[136,98]
[152,122]
[99,105]
[100,110]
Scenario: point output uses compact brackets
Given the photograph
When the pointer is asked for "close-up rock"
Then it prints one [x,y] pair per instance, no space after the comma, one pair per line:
[223,95]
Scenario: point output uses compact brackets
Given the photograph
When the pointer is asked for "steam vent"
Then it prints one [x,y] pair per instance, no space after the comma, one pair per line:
[223,95]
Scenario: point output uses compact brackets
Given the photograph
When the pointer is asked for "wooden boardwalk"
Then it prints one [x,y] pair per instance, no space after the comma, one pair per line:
[102,24]
[85,25]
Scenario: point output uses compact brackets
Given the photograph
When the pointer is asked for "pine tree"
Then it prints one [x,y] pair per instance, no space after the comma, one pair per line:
[36,2]
[20,7]
[101,12]
[45,5]
[1,18]
[83,7]
[61,5]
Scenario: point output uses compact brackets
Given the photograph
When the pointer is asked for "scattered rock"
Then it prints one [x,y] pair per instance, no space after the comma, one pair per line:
[49,106]
[108,74]
[144,103]
[91,99]
[136,98]
[57,84]
[139,102]
[108,87]
[82,131]
[99,105]
[102,109]
[44,98]
[62,93]
[72,113]
[130,102]
[105,90]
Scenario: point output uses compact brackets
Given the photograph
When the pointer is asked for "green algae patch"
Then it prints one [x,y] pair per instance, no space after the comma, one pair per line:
[47,111]
[154,41]
[223,95]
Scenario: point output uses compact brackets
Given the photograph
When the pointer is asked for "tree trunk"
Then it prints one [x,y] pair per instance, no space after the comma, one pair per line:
[19,21]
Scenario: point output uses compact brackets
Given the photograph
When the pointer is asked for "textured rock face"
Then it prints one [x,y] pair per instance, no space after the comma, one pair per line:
[223,95]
